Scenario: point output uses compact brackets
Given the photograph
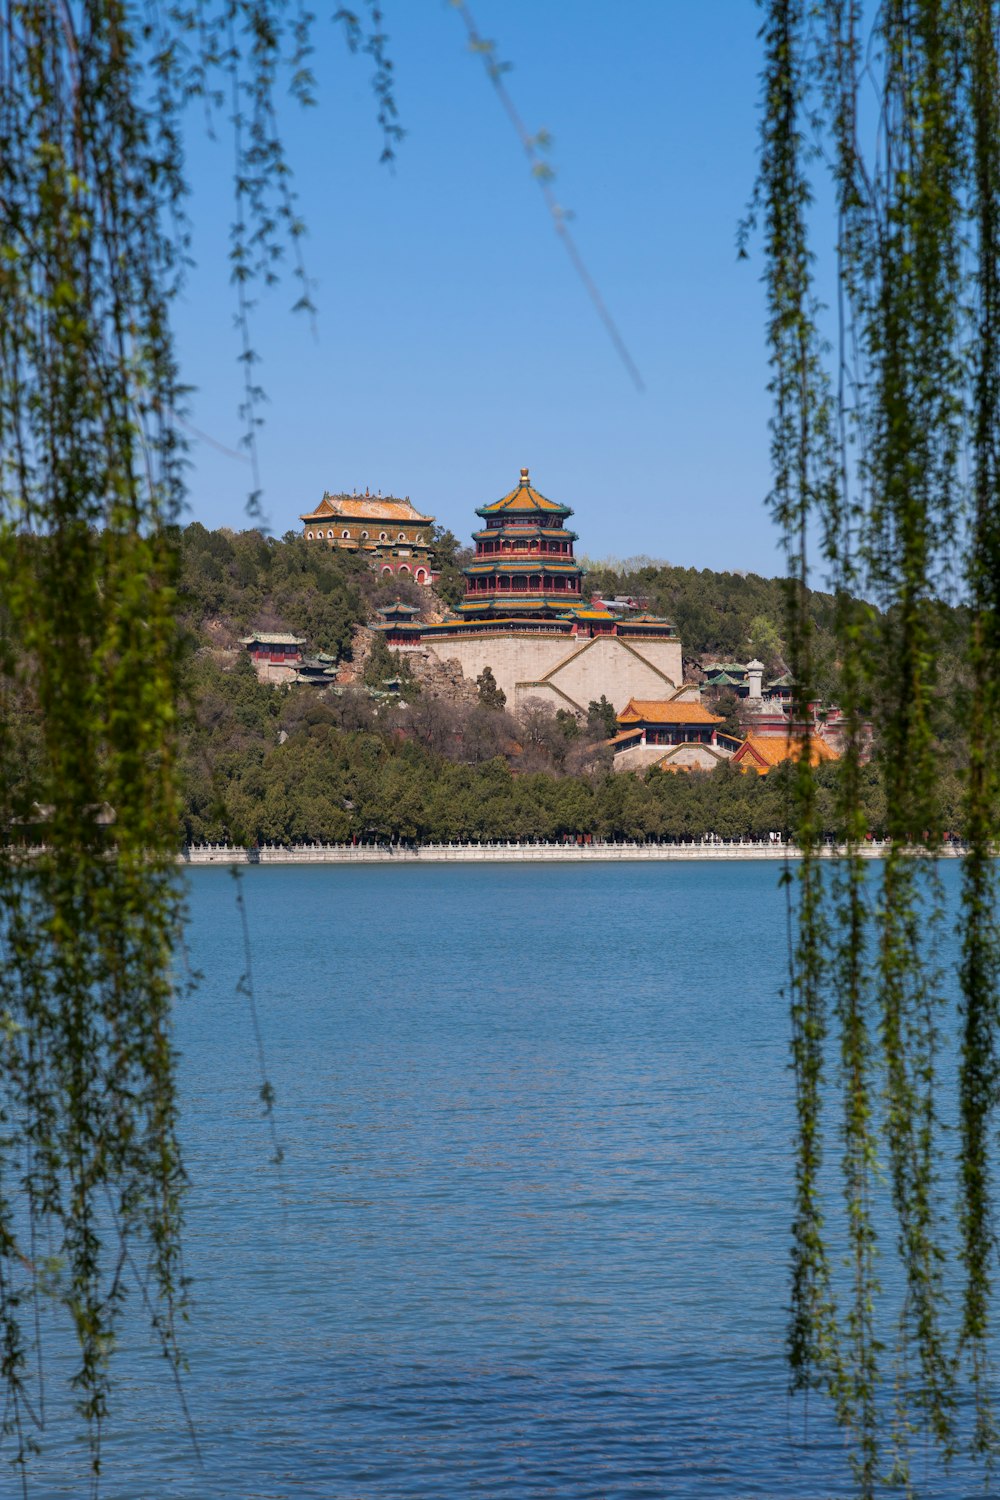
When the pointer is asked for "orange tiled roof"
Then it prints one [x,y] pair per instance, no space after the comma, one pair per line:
[523,497]
[770,750]
[366,508]
[655,711]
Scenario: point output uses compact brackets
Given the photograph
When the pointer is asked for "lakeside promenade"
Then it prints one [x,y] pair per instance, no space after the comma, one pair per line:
[512,852]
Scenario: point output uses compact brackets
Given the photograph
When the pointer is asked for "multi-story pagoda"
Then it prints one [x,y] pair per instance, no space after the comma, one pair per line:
[524,566]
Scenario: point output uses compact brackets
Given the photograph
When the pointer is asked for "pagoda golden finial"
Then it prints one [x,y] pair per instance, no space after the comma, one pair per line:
[524,476]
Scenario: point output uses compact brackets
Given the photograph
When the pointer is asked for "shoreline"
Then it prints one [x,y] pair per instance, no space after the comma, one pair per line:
[513,853]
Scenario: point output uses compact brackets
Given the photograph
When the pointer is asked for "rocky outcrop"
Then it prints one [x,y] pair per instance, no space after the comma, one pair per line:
[442,679]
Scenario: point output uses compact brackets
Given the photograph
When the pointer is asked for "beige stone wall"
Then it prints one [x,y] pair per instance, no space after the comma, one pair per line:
[693,756]
[272,672]
[614,667]
[565,673]
[637,757]
[699,757]
[512,658]
[665,656]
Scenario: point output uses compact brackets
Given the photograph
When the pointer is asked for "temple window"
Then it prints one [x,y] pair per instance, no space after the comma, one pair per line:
[309,536]
[382,536]
[364,536]
[401,537]
[344,534]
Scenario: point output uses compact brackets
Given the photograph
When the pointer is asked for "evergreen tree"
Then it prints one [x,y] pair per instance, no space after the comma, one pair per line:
[602,721]
[490,694]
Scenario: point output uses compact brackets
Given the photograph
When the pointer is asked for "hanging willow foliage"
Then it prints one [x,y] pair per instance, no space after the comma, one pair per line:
[93,244]
[887,461]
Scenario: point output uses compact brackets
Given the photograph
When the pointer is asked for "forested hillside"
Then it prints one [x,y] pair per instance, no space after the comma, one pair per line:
[378,758]
[265,763]
[247,580]
[276,766]
[731,616]
[235,581]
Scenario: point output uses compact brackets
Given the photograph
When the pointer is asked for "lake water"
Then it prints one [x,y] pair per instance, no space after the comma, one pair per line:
[530,1237]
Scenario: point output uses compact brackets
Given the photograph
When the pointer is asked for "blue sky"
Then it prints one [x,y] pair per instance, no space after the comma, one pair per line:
[453,342]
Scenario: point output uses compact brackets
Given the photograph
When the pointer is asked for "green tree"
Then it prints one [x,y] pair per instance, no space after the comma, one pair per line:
[602,721]
[490,694]
[384,667]
[94,246]
[449,560]
[765,642]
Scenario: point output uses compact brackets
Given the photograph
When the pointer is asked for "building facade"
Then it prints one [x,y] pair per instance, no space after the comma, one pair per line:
[391,533]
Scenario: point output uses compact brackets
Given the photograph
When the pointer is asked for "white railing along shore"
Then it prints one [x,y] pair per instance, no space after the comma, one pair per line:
[503,851]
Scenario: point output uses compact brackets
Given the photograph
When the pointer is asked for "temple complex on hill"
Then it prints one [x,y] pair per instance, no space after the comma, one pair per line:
[525,617]
[392,533]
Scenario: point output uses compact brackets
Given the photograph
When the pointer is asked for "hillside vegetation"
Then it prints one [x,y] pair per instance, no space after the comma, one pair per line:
[266,764]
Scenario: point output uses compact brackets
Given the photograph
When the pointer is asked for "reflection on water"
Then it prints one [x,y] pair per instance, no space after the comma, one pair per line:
[530,1235]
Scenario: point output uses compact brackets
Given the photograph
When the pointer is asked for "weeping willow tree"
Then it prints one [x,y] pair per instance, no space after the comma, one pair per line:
[880,180]
[93,243]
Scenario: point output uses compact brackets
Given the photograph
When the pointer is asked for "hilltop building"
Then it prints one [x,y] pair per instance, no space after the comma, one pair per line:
[392,533]
[524,617]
